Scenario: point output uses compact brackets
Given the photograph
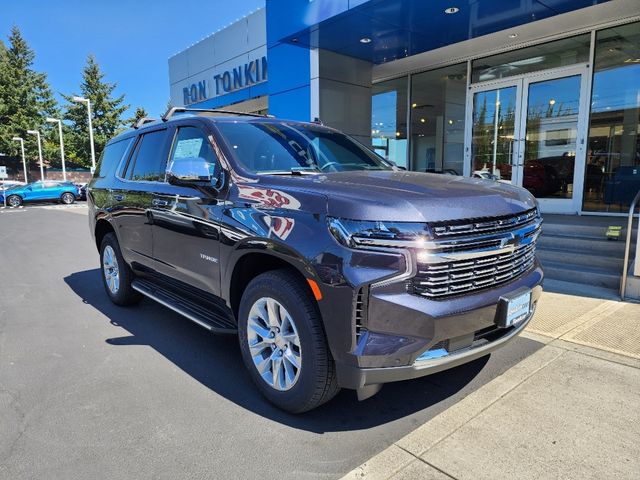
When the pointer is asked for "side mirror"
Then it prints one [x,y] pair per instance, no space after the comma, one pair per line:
[191,171]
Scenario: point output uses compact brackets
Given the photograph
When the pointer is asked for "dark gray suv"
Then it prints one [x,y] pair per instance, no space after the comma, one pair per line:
[334,268]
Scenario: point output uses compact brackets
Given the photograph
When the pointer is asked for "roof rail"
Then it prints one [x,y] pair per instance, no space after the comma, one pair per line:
[174,110]
[142,121]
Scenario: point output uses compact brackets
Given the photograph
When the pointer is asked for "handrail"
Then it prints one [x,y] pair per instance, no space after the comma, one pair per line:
[627,246]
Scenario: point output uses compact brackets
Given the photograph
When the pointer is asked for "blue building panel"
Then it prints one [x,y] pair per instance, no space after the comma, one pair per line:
[292,104]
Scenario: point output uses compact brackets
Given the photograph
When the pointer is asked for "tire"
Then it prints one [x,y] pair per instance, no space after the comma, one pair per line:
[118,286]
[314,382]
[67,198]
[14,200]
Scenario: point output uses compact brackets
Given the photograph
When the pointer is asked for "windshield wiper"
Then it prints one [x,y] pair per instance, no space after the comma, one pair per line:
[294,171]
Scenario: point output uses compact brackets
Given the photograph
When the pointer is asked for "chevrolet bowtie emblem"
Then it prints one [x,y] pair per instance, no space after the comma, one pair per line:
[510,241]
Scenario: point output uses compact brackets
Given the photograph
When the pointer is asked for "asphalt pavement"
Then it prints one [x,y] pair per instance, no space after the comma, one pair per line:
[91,390]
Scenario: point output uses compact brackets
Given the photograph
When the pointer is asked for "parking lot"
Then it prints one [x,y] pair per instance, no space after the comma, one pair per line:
[88,389]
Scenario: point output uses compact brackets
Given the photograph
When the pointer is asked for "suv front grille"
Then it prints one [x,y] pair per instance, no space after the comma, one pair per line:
[484,225]
[477,262]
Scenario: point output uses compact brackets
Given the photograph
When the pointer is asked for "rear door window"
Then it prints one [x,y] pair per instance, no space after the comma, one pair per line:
[149,159]
[111,156]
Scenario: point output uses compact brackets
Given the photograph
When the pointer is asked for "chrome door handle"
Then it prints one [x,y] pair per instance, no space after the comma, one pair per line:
[156,202]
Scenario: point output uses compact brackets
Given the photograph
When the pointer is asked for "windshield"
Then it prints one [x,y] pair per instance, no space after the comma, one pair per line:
[269,147]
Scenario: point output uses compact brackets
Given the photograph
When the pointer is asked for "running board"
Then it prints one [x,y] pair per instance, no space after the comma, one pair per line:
[213,321]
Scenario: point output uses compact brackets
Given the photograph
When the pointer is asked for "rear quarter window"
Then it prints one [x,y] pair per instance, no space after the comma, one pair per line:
[111,156]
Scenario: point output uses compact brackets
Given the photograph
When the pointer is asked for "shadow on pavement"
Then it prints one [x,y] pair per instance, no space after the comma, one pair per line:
[215,362]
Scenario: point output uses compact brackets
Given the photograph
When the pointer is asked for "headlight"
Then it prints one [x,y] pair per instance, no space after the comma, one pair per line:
[356,233]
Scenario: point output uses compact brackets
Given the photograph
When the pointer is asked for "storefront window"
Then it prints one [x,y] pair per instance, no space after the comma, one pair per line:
[437,120]
[389,120]
[612,176]
[559,53]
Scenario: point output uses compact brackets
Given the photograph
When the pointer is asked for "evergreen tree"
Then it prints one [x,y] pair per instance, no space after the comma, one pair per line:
[3,75]
[140,113]
[106,114]
[25,97]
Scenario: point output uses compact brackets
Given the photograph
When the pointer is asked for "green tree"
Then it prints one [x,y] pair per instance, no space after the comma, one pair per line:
[140,113]
[25,97]
[106,114]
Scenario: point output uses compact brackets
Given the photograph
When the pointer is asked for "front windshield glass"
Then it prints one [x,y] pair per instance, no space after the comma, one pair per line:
[270,147]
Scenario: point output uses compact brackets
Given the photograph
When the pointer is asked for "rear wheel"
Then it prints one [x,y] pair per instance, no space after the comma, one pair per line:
[14,200]
[67,198]
[116,274]
[283,343]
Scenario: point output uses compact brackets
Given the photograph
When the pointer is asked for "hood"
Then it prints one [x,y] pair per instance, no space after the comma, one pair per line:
[409,196]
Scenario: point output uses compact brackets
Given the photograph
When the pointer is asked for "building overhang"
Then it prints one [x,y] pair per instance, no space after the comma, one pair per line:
[381,31]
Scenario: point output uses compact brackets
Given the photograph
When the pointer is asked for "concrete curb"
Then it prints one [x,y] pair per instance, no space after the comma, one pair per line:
[400,457]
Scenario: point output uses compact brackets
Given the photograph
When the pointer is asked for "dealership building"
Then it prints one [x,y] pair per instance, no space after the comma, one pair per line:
[540,93]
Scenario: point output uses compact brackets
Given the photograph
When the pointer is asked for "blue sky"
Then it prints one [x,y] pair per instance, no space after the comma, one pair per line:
[132,40]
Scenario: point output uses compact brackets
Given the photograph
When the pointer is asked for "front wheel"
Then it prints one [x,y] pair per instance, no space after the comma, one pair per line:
[283,343]
[68,198]
[14,200]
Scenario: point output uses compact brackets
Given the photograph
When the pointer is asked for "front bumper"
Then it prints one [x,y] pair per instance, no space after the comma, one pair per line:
[408,337]
[358,378]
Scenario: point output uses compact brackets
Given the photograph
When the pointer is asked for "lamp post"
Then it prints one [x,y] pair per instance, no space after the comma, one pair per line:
[24,161]
[64,170]
[87,102]
[37,134]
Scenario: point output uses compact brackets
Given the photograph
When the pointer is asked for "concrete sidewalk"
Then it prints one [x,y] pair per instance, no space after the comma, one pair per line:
[570,410]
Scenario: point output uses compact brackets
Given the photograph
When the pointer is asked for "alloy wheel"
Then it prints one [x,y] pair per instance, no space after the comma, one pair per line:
[110,269]
[67,198]
[14,201]
[274,344]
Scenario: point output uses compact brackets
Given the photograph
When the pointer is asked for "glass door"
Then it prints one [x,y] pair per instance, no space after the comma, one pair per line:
[530,131]
[551,155]
[494,130]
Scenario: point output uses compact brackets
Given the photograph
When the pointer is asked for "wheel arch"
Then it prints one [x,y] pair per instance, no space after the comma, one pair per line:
[252,263]
[15,195]
[102,228]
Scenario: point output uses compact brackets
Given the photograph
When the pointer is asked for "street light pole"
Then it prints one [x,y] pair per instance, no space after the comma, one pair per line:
[93,153]
[24,161]
[64,170]
[37,134]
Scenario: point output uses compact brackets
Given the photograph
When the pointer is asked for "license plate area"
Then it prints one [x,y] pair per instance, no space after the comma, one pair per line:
[513,308]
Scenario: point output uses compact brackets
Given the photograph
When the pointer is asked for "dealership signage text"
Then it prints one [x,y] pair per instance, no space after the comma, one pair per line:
[228,81]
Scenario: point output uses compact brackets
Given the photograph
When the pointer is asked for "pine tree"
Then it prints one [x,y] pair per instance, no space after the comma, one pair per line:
[106,114]
[25,97]
[140,113]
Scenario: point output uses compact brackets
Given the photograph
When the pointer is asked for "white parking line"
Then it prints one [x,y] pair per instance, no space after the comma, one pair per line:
[12,209]
[60,207]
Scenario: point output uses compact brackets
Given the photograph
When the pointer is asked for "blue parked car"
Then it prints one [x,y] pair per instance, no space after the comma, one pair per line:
[65,192]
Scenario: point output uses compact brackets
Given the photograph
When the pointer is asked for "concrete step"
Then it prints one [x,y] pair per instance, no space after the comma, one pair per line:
[611,263]
[594,276]
[585,226]
[585,231]
[580,289]
[581,245]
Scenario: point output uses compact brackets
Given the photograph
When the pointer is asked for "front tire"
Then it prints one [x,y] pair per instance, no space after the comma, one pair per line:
[14,200]
[116,274]
[67,198]
[283,343]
